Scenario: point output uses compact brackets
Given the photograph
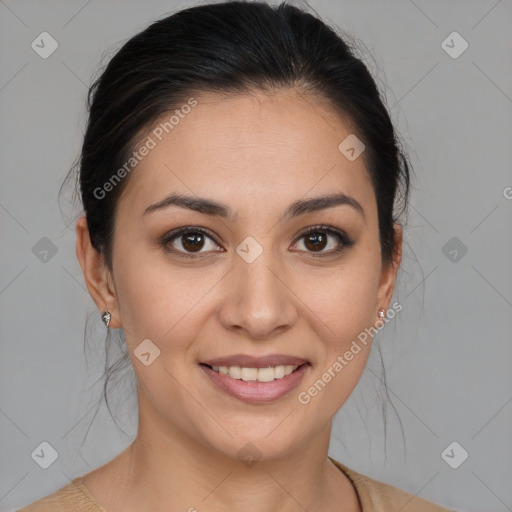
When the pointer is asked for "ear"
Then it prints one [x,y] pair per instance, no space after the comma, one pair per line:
[389,272]
[97,275]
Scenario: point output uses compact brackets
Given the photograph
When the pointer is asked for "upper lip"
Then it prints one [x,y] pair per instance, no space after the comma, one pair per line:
[248,361]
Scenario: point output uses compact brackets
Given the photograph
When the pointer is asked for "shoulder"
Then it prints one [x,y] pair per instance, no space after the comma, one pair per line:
[379,496]
[69,498]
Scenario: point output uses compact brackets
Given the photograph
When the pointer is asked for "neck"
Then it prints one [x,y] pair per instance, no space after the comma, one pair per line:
[166,468]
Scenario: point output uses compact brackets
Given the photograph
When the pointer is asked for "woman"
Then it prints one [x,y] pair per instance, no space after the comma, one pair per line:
[240,178]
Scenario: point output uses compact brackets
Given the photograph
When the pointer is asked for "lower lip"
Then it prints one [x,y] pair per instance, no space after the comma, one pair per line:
[255,392]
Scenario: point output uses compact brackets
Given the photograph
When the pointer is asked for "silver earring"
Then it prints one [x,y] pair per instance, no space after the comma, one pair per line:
[382,313]
[105,316]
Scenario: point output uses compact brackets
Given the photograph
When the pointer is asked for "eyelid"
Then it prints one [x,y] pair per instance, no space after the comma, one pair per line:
[343,239]
[170,236]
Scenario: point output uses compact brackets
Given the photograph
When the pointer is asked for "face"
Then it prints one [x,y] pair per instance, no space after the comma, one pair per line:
[247,279]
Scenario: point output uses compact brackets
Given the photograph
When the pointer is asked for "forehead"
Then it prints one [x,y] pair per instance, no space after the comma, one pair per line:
[259,147]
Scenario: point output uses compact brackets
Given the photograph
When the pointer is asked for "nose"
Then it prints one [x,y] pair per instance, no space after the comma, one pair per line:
[257,299]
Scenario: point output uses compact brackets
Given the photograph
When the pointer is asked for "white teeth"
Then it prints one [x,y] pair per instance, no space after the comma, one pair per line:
[265,374]
[256,374]
[279,372]
[249,373]
[235,372]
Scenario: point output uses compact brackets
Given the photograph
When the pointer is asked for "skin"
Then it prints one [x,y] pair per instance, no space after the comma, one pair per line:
[256,153]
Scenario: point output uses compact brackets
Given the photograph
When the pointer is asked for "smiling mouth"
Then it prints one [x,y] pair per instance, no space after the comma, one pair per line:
[268,374]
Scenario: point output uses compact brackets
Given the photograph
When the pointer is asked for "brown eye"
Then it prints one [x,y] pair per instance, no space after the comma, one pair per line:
[192,242]
[187,241]
[316,241]
[318,238]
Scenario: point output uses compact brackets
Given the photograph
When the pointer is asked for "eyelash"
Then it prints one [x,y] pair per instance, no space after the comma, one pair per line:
[344,240]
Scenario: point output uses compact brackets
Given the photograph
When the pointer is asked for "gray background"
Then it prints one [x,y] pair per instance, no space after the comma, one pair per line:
[447,353]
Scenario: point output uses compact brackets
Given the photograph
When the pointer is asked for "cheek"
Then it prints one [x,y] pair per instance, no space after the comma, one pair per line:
[160,302]
[344,299]
[344,310]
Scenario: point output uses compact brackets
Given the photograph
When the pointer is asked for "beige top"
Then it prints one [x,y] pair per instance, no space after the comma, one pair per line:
[375,496]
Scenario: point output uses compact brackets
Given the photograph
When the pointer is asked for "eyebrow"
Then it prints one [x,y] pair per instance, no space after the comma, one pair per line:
[300,207]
